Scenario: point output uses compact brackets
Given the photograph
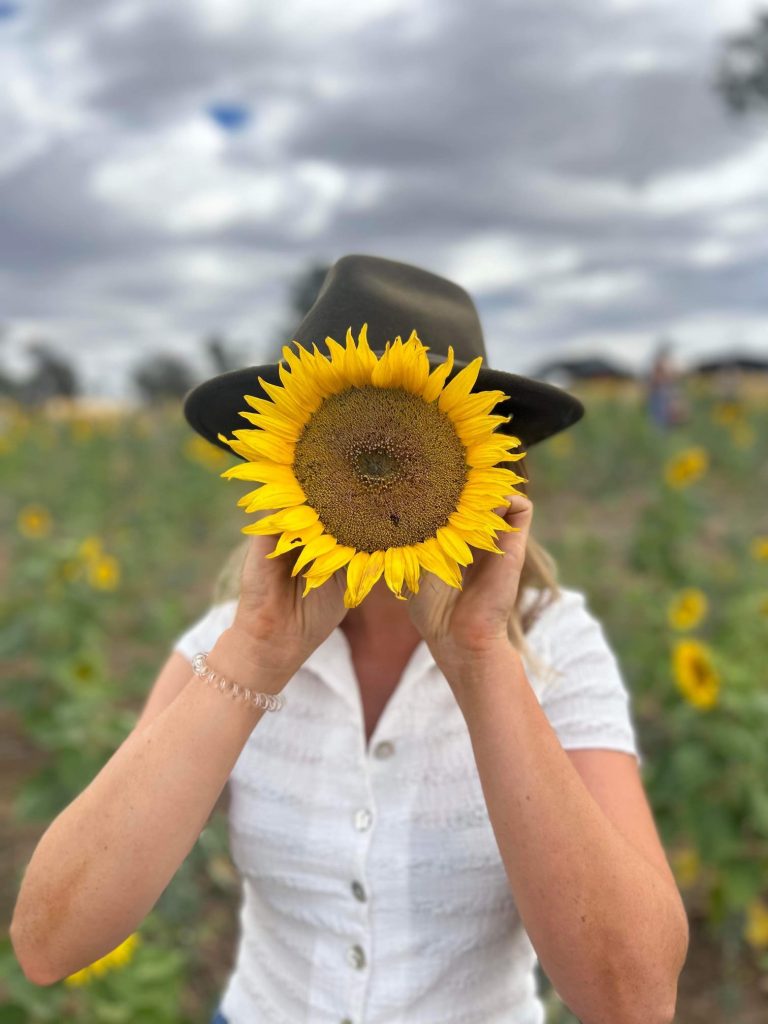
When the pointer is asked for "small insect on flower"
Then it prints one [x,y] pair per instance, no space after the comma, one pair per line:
[374,463]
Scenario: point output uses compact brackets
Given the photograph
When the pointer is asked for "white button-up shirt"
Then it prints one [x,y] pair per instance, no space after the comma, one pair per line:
[373,890]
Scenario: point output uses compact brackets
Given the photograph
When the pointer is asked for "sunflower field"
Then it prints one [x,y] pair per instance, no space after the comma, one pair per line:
[115,526]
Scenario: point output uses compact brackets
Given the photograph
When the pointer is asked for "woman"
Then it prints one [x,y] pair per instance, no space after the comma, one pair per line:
[451,791]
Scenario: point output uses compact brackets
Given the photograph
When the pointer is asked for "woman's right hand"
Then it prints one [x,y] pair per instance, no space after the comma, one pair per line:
[273,619]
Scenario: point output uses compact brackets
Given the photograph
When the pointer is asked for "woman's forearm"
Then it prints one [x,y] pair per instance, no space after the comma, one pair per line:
[610,934]
[107,857]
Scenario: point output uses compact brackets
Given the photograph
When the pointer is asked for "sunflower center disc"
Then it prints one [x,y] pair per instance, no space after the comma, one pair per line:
[382,467]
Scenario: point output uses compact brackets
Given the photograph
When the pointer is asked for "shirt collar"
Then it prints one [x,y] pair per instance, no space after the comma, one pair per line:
[331,661]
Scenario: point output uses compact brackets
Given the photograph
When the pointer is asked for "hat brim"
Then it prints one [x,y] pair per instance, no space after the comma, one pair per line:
[538,410]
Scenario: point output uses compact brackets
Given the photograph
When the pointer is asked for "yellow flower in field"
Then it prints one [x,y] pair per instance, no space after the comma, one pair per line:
[687,609]
[81,429]
[686,865]
[759,548]
[199,450]
[686,467]
[756,925]
[695,674]
[374,463]
[104,572]
[34,521]
[90,548]
[726,413]
[116,959]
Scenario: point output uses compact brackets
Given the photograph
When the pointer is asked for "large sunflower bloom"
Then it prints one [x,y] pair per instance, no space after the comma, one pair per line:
[376,464]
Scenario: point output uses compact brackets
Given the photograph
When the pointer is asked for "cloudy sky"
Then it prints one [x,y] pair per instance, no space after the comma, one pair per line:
[168,169]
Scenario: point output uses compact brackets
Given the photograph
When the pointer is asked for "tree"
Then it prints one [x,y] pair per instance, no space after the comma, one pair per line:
[742,77]
[162,376]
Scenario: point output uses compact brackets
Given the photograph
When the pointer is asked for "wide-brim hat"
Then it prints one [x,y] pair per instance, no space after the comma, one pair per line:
[393,299]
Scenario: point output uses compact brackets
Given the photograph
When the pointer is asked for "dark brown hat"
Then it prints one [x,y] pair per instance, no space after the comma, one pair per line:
[393,299]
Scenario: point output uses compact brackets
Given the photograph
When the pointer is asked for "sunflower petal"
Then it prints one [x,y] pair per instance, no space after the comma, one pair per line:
[331,560]
[264,472]
[412,569]
[460,386]
[319,546]
[286,519]
[292,539]
[362,572]
[432,558]
[394,571]
[436,379]
[453,546]
[267,446]
[275,496]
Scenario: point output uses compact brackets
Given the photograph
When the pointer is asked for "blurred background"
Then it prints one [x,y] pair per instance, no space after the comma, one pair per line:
[175,180]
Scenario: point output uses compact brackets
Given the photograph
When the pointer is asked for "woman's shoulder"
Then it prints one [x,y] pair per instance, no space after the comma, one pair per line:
[549,607]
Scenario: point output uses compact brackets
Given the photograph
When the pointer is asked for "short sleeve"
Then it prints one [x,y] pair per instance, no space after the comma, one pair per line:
[203,634]
[585,700]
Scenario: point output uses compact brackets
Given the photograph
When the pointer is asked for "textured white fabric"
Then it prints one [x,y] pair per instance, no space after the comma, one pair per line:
[317,814]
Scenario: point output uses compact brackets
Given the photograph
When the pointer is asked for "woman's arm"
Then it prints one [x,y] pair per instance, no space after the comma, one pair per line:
[104,861]
[610,932]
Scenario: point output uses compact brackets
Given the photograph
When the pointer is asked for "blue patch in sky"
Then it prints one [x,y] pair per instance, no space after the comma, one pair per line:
[232,117]
[8,10]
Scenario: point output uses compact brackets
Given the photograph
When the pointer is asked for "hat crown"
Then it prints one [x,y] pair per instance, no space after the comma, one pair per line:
[393,299]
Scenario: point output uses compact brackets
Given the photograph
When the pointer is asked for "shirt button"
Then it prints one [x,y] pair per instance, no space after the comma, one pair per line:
[359,891]
[356,956]
[363,819]
[384,749]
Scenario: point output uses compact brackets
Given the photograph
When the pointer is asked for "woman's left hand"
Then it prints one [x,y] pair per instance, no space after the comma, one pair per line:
[461,625]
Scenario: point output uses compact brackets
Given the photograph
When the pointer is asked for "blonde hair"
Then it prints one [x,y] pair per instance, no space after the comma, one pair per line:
[539,572]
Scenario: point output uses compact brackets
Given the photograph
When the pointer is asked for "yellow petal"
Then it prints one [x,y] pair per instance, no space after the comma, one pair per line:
[460,386]
[388,372]
[453,546]
[481,540]
[285,428]
[412,569]
[319,546]
[237,446]
[285,402]
[264,444]
[394,571]
[265,472]
[275,496]
[292,539]
[416,369]
[331,561]
[432,558]
[286,519]
[331,379]
[478,404]
[362,572]
[437,377]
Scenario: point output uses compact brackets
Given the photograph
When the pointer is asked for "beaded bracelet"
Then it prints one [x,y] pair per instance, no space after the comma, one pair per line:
[269,701]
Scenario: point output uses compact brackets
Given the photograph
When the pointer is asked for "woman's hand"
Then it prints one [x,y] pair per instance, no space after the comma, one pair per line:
[272,618]
[461,626]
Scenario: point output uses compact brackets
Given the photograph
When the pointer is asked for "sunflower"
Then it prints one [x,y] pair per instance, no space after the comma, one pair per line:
[686,467]
[376,464]
[695,674]
[118,958]
[687,608]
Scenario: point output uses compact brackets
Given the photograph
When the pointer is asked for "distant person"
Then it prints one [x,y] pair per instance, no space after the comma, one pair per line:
[665,401]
